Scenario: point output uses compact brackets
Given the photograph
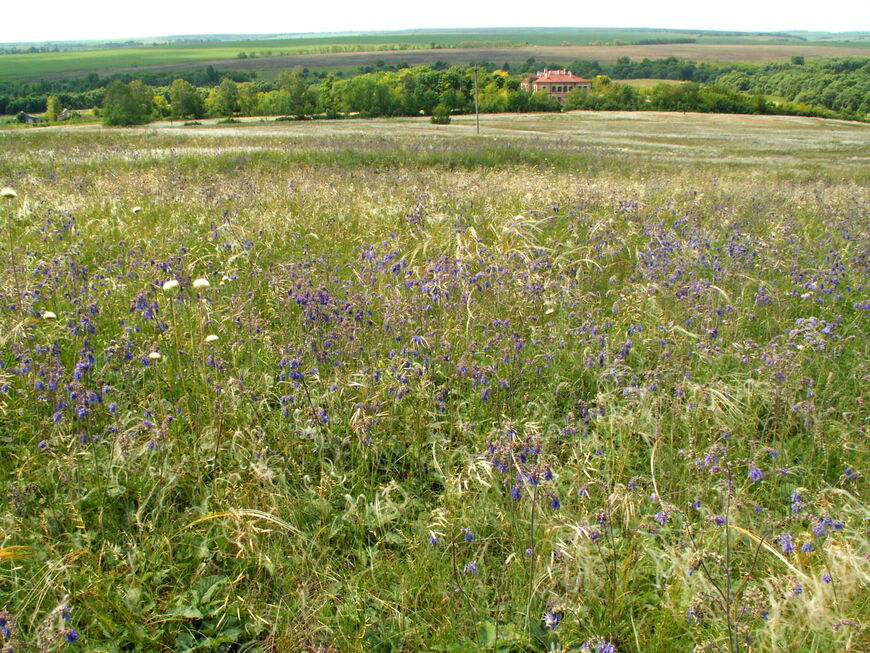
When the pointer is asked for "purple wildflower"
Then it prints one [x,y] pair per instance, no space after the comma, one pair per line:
[552,619]
[797,502]
[786,542]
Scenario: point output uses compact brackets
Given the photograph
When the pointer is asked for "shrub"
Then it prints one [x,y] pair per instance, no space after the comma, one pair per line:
[441,115]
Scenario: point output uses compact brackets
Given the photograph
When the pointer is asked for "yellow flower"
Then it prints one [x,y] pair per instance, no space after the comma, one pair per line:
[201,283]
[172,284]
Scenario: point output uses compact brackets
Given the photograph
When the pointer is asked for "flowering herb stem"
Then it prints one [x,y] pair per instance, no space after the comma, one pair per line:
[532,555]
[733,643]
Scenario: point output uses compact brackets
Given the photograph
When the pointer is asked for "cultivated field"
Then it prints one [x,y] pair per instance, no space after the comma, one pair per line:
[132,60]
[647,83]
[583,382]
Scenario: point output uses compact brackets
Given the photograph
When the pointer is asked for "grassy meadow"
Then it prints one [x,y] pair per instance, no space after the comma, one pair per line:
[584,382]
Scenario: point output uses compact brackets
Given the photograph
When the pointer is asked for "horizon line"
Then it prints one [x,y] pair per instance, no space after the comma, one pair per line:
[275,35]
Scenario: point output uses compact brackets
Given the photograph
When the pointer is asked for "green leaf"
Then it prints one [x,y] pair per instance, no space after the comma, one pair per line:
[462,647]
[207,586]
[393,537]
[186,611]
[132,596]
[486,633]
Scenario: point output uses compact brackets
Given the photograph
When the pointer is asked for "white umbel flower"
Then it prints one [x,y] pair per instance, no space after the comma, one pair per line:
[8,193]
[136,209]
[49,315]
[155,356]
[201,283]
[211,338]
[172,284]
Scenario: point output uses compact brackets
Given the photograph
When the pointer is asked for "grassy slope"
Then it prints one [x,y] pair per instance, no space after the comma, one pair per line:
[207,500]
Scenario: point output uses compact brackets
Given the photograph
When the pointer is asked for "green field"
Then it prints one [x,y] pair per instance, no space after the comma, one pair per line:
[342,51]
[583,382]
[647,83]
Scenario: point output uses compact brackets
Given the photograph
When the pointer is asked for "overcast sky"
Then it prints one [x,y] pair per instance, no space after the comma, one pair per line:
[54,20]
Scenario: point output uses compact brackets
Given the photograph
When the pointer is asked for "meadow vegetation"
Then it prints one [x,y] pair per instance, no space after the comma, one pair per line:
[585,382]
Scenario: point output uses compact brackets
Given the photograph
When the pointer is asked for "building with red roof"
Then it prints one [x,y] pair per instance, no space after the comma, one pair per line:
[557,83]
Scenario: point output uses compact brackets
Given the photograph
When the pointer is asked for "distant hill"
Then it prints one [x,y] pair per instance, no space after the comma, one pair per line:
[35,61]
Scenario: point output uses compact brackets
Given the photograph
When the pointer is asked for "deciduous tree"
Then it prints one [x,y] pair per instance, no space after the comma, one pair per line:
[127,104]
[52,107]
[185,100]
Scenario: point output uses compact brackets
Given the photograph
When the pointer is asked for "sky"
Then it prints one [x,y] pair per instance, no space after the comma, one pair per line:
[56,20]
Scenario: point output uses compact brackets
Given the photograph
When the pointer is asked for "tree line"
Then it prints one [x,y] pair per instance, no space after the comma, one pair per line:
[421,91]
[607,95]
[407,92]
[841,85]
[822,87]
[88,91]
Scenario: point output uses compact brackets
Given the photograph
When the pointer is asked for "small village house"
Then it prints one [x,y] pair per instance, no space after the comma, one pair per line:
[68,114]
[557,83]
[27,118]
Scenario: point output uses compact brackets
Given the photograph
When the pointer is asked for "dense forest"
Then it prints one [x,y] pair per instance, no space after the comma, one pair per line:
[819,87]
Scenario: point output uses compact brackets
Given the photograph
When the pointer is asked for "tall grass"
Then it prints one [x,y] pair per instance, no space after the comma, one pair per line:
[506,398]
